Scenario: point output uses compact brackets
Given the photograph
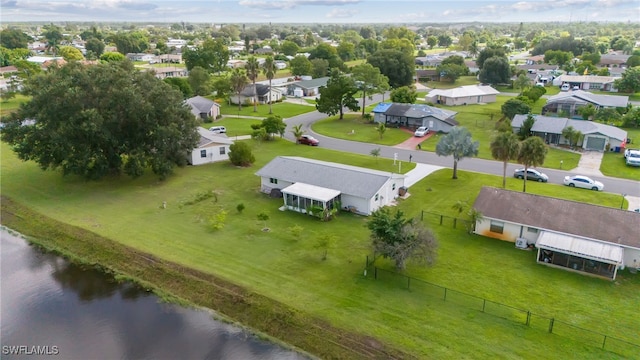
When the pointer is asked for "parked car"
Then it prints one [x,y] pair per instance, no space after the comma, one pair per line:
[532,174]
[632,157]
[421,131]
[308,140]
[583,182]
[218,129]
[565,87]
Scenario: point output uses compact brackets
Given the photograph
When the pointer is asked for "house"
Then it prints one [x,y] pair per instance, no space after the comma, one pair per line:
[584,238]
[307,87]
[279,64]
[428,75]
[265,50]
[203,108]
[413,116]
[167,72]
[587,82]
[236,64]
[614,60]
[570,102]
[596,136]
[262,93]
[211,148]
[463,95]
[8,70]
[141,57]
[533,60]
[169,58]
[307,182]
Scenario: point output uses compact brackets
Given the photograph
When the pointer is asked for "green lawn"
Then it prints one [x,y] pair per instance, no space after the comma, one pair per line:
[6,107]
[362,131]
[235,126]
[463,80]
[284,109]
[613,163]
[290,270]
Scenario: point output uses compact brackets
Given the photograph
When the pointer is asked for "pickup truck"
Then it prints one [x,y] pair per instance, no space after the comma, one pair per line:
[632,157]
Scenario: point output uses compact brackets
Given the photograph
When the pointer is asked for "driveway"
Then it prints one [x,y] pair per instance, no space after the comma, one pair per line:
[589,163]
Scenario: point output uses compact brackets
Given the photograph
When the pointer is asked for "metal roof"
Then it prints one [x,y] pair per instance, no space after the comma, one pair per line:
[350,180]
[419,111]
[579,246]
[589,221]
[311,192]
[464,91]
[585,96]
[313,83]
[207,137]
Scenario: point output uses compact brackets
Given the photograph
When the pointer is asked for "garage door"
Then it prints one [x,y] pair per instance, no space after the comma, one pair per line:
[594,143]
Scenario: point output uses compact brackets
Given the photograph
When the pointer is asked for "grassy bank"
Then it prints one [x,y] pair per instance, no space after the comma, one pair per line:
[289,270]
[190,286]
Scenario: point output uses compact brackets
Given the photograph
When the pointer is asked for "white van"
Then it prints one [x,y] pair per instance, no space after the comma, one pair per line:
[218,129]
[565,87]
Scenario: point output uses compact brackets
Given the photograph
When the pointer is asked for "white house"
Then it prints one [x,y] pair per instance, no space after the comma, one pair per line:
[203,108]
[584,238]
[463,95]
[141,57]
[263,93]
[211,148]
[307,182]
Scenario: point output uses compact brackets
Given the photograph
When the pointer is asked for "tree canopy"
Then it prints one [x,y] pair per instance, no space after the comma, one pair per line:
[400,239]
[458,144]
[369,80]
[14,39]
[512,107]
[212,55]
[396,65]
[495,70]
[337,94]
[504,147]
[404,94]
[532,153]
[106,119]
[630,81]
[300,65]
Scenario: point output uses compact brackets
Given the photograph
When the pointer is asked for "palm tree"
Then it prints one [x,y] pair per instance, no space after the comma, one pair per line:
[253,69]
[532,153]
[297,131]
[457,143]
[269,69]
[238,81]
[505,147]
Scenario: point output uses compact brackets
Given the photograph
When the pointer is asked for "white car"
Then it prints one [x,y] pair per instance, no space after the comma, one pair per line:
[421,131]
[632,157]
[583,182]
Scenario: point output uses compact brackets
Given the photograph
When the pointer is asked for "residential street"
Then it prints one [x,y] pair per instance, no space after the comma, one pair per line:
[613,185]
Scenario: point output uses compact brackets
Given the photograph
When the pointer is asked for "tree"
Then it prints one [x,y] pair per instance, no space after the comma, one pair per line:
[607,115]
[346,51]
[587,111]
[110,56]
[199,81]
[300,65]
[238,81]
[375,153]
[95,45]
[452,72]
[212,55]
[320,68]
[222,87]
[70,53]
[400,239]
[496,70]
[337,94]
[381,128]
[522,82]
[488,53]
[444,40]
[130,42]
[14,39]
[289,48]
[273,125]
[180,84]
[53,36]
[107,119]
[532,153]
[525,129]
[240,154]
[534,93]
[369,79]
[630,81]
[405,94]
[327,52]
[457,143]
[269,69]
[432,41]
[253,70]
[396,65]
[505,147]
[325,242]
[297,131]
[512,107]
[632,118]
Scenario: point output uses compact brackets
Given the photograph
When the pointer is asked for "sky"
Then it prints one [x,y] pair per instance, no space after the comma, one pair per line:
[319,11]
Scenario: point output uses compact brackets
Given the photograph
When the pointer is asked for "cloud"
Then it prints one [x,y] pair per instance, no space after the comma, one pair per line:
[341,13]
[290,4]
[8,3]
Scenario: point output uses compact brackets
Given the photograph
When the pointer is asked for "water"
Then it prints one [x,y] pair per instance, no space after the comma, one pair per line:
[76,313]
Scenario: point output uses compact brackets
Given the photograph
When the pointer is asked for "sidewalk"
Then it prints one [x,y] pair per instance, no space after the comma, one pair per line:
[419,172]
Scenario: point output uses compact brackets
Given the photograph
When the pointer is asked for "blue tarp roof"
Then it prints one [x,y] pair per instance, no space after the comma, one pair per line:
[382,107]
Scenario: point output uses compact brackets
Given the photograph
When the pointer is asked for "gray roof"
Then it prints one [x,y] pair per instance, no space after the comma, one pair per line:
[419,111]
[207,137]
[585,96]
[261,90]
[555,125]
[570,217]
[313,83]
[200,105]
[350,180]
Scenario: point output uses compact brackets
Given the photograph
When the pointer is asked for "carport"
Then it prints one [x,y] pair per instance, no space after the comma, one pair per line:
[579,254]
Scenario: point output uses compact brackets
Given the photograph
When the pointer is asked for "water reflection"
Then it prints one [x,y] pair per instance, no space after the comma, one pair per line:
[88,315]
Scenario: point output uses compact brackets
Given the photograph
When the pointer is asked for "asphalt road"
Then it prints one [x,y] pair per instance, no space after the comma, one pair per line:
[613,185]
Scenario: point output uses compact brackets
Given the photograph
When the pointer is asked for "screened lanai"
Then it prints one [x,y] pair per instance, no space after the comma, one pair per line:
[300,197]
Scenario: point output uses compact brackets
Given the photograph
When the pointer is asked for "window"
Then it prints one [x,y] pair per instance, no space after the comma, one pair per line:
[393,187]
[496,226]
[376,197]
[222,150]
[203,153]
[273,180]
[532,230]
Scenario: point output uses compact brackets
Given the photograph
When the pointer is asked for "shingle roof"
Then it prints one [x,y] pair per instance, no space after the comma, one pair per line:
[555,125]
[313,83]
[350,180]
[419,111]
[587,79]
[207,137]
[570,217]
[200,105]
[596,99]
[261,90]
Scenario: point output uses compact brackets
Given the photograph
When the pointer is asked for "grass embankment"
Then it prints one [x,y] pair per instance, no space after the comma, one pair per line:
[363,131]
[288,269]
[284,109]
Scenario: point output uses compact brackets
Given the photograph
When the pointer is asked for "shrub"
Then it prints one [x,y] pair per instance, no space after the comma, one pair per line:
[240,208]
[216,221]
[240,154]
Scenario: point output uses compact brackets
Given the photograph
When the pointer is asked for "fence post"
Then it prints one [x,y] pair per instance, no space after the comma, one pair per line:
[367,265]
[445,294]
[604,341]
[455,220]
[551,325]
[528,318]
[408,283]
[421,215]
[440,219]
[375,273]
[484,303]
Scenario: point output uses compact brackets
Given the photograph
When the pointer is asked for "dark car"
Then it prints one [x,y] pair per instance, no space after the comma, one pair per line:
[308,140]
[532,174]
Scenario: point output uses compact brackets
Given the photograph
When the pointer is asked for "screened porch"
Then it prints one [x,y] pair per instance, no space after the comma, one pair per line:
[303,198]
